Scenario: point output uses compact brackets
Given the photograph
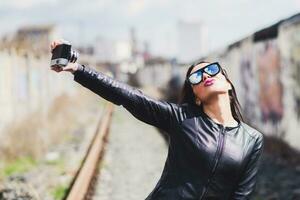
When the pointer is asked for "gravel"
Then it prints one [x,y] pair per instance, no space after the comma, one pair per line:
[134,159]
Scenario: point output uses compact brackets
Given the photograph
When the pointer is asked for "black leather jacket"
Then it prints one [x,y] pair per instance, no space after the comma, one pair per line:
[205,159]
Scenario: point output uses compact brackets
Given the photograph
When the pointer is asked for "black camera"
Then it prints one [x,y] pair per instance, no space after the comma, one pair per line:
[63,54]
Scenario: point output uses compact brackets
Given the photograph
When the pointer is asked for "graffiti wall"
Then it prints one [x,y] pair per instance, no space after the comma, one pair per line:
[270,93]
[289,43]
[248,90]
[270,99]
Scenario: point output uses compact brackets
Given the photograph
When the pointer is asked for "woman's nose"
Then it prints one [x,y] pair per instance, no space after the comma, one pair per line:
[205,76]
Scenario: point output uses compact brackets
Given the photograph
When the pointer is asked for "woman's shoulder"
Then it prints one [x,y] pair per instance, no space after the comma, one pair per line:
[252,132]
[188,110]
[183,111]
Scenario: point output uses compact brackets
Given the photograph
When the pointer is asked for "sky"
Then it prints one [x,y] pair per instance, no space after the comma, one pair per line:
[155,21]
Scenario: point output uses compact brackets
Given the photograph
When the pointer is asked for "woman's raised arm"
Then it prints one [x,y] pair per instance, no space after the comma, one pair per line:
[161,114]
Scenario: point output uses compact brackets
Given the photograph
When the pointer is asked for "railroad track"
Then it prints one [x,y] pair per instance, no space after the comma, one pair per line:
[82,186]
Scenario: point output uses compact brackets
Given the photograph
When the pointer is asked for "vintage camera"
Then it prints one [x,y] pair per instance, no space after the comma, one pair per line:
[63,54]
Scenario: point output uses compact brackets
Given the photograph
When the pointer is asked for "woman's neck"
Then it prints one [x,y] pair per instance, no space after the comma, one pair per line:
[219,110]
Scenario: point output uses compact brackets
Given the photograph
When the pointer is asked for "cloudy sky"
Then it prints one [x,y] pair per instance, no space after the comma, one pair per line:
[155,21]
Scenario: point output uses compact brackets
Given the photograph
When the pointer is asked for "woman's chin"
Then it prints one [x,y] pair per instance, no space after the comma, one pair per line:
[213,93]
[215,89]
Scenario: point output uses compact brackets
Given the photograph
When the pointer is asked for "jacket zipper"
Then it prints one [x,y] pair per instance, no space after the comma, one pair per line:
[218,155]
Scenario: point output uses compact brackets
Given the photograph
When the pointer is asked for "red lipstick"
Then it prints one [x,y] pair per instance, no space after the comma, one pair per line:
[209,82]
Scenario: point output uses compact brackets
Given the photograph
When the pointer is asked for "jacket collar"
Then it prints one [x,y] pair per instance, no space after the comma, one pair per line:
[199,109]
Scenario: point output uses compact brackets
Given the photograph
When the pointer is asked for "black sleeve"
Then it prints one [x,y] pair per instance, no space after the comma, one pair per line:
[248,178]
[161,114]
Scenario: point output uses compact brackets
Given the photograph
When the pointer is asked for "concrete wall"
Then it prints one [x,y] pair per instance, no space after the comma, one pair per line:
[27,84]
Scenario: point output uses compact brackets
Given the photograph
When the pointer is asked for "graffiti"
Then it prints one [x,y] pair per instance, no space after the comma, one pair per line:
[248,95]
[270,92]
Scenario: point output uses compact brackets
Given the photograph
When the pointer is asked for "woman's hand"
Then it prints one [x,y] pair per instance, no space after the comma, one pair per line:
[71,67]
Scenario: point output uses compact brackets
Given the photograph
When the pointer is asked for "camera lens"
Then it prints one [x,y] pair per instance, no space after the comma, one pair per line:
[73,56]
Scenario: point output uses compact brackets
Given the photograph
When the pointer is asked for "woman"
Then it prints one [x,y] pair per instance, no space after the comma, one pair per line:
[212,153]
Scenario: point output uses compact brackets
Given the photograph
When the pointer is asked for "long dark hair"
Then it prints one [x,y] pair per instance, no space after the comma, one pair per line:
[187,94]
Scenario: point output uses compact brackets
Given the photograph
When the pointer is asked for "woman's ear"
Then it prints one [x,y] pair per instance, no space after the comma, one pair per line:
[229,86]
[197,101]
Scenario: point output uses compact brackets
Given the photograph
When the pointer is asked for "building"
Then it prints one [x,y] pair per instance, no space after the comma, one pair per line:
[35,39]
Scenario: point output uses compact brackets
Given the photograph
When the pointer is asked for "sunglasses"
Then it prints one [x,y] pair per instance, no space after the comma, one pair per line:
[197,76]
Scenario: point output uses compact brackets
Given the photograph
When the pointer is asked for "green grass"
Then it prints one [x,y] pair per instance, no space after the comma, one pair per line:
[18,166]
[59,192]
